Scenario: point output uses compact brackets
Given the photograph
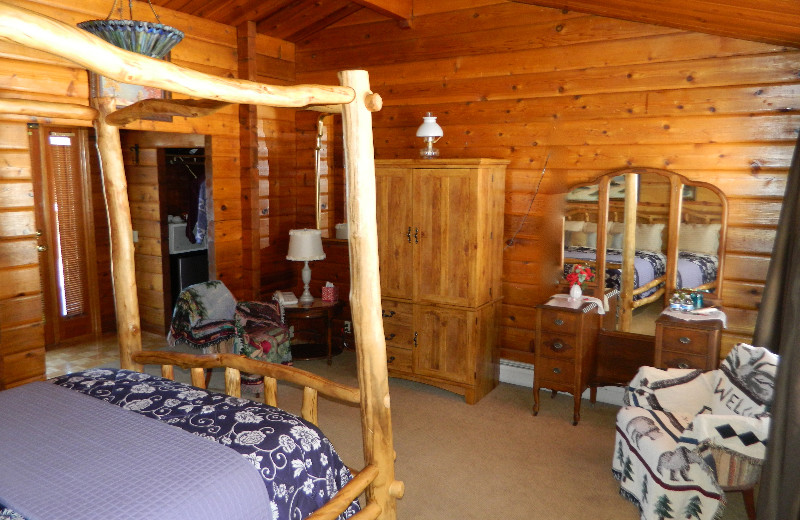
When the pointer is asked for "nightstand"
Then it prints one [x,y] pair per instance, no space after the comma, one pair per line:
[687,344]
[566,339]
[312,329]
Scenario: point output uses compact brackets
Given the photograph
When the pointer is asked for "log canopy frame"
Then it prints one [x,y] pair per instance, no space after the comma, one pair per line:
[353,99]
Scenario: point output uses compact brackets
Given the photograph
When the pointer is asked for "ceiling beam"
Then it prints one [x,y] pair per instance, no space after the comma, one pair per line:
[397,9]
[774,22]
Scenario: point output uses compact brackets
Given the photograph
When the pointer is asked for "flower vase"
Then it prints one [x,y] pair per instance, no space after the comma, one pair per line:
[575,293]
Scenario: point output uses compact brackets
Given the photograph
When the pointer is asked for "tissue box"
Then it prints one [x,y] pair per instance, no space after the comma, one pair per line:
[330,294]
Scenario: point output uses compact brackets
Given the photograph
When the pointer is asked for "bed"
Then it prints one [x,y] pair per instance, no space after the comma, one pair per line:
[296,464]
[355,101]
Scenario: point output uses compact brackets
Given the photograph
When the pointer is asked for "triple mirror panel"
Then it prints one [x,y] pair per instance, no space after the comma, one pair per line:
[651,232]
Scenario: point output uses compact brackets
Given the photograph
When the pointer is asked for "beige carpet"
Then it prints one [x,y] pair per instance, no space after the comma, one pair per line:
[494,459]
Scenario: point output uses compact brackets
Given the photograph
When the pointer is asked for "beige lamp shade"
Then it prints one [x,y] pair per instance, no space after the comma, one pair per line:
[305,245]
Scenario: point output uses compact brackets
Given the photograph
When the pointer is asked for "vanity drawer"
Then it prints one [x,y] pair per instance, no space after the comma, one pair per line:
[398,359]
[690,341]
[558,372]
[671,359]
[560,322]
[558,345]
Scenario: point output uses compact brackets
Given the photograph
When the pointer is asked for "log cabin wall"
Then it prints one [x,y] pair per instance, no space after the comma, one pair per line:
[581,95]
[209,47]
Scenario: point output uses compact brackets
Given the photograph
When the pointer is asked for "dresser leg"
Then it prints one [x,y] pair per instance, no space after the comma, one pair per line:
[592,394]
[576,415]
[535,400]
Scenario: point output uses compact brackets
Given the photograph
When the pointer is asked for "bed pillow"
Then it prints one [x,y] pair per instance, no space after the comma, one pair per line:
[699,238]
[648,237]
[577,239]
[573,225]
[591,240]
[614,240]
[589,227]
[616,227]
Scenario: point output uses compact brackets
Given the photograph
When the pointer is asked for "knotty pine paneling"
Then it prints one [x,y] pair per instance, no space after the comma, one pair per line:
[584,95]
[209,47]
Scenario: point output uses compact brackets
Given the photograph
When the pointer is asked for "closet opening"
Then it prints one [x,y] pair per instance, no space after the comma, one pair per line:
[187,223]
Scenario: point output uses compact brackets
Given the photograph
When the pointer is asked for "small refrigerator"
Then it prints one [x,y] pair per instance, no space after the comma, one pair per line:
[188,261]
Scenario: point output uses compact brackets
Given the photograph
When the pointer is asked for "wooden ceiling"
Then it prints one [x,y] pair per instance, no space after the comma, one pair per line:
[290,20]
[770,21]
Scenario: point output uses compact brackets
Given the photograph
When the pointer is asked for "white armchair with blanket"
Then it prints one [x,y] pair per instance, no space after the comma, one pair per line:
[685,435]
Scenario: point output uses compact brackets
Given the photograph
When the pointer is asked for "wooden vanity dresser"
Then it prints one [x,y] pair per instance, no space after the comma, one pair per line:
[566,340]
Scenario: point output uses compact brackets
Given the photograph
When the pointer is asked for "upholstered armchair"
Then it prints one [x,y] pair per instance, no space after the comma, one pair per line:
[208,318]
[687,436]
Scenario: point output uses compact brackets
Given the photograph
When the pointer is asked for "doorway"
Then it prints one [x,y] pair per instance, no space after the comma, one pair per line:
[66,234]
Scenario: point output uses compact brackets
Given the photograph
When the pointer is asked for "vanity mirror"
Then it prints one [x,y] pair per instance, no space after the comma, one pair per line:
[652,232]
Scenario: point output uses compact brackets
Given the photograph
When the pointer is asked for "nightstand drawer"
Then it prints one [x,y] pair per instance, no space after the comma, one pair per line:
[398,359]
[685,340]
[558,346]
[671,359]
[558,371]
[560,322]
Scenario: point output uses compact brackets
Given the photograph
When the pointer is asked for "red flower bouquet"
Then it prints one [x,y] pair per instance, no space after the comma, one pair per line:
[579,274]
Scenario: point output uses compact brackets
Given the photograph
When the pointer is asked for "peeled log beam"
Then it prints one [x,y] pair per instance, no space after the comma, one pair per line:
[46,34]
[28,107]
[164,107]
[126,300]
[365,295]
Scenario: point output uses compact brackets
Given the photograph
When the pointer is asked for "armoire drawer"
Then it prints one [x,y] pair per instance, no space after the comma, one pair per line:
[398,323]
[398,359]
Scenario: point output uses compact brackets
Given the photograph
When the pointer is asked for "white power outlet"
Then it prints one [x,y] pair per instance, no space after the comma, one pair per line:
[348,327]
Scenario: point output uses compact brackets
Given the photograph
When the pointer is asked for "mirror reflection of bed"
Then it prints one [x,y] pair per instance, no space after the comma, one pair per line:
[652,232]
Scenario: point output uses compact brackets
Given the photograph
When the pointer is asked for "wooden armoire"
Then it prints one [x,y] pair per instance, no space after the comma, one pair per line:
[440,241]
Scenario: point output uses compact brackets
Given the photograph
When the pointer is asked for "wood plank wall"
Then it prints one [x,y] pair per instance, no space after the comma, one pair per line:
[209,47]
[582,95]
[277,170]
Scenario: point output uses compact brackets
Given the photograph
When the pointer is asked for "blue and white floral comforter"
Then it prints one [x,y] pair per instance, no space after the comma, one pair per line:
[299,465]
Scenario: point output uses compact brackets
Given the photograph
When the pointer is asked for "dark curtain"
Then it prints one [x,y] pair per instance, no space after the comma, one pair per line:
[778,329]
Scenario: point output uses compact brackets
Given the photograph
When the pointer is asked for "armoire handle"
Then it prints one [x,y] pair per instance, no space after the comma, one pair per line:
[387,314]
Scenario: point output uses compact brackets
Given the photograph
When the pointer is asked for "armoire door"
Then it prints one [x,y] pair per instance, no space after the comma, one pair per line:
[444,256]
[441,343]
[396,234]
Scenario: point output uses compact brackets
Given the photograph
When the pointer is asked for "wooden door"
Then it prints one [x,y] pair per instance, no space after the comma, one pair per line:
[442,347]
[444,258]
[22,354]
[395,231]
[62,192]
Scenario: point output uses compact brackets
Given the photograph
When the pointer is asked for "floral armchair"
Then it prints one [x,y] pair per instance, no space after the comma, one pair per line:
[207,317]
[685,436]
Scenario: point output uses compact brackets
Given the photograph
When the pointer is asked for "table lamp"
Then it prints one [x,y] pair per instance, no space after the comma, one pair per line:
[305,245]
[430,132]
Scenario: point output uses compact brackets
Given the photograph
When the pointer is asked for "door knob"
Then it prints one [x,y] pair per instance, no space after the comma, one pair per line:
[41,249]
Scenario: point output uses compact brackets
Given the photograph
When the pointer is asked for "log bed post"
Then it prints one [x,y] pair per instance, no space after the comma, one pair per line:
[123,270]
[365,294]
[629,250]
